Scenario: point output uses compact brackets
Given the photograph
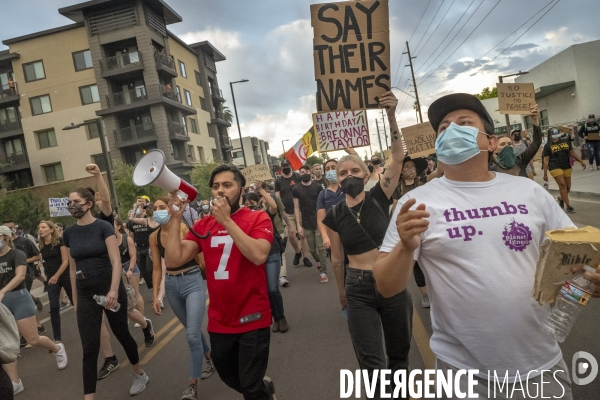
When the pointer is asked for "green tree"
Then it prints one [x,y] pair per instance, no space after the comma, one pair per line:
[200,176]
[316,158]
[23,208]
[486,93]
[227,113]
[127,191]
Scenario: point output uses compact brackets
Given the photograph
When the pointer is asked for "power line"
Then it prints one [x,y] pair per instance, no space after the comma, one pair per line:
[430,23]
[436,28]
[442,42]
[411,36]
[490,50]
[499,54]
[463,42]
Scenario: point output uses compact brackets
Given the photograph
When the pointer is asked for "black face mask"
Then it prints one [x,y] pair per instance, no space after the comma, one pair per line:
[77,210]
[305,178]
[371,168]
[376,162]
[517,137]
[353,186]
[286,170]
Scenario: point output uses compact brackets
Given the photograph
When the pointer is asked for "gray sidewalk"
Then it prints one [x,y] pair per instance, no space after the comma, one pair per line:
[584,184]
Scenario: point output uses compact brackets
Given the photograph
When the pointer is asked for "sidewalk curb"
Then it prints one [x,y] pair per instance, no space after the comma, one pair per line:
[575,195]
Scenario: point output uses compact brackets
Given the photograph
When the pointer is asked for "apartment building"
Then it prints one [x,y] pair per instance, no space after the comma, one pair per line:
[257,152]
[116,69]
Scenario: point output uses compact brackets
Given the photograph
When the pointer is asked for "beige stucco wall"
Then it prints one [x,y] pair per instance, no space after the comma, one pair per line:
[190,60]
[62,83]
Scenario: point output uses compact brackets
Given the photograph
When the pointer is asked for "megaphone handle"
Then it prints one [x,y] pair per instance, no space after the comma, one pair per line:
[191,229]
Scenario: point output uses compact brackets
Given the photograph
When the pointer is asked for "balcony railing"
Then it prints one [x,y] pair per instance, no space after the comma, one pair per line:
[9,126]
[216,91]
[121,61]
[168,92]
[165,60]
[8,90]
[13,160]
[127,97]
[134,133]
[177,129]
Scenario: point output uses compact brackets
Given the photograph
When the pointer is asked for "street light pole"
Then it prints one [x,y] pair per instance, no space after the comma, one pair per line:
[284,146]
[506,115]
[109,174]
[237,120]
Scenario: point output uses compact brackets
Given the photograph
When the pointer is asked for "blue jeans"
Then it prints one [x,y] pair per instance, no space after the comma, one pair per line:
[187,297]
[273,265]
[594,151]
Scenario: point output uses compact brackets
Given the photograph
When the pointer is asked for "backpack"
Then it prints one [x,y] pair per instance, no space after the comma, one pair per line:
[10,342]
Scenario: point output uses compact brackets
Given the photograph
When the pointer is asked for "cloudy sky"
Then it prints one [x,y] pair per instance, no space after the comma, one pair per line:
[269,42]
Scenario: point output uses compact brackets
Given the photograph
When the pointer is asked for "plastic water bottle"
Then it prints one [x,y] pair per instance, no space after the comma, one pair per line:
[101,300]
[573,296]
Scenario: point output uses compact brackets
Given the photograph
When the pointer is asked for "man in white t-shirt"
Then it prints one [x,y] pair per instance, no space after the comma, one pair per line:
[477,235]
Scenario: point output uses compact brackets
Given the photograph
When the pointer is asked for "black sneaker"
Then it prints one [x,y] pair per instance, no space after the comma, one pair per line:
[570,210]
[38,304]
[41,330]
[270,387]
[307,262]
[110,364]
[297,258]
[23,342]
[561,202]
[148,334]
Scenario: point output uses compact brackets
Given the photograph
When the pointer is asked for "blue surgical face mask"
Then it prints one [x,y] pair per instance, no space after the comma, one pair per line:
[457,144]
[161,216]
[205,207]
[331,176]
[556,137]
[137,211]
[1,243]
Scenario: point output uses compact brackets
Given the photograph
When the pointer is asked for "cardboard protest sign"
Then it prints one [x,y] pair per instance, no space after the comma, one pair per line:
[515,98]
[58,207]
[419,139]
[258,172]
[338,130]
[351,50]
[561,250]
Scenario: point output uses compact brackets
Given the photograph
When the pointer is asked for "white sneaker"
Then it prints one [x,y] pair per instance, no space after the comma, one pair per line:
[61,356]
[425,301]
[283,282]
[139,383]
[324,278]
[142,281]
[18,387]
[208,369]
[591,168]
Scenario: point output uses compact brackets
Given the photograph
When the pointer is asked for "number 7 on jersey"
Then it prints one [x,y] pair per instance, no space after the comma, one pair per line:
[221,272]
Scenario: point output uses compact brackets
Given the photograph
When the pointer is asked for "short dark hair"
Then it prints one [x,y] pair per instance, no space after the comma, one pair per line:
[251,196]
[305,167]
[237,174]
[87,194]
[8,221]
[488,127]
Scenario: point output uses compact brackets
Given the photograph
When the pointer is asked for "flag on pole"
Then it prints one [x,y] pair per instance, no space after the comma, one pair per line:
[299,152]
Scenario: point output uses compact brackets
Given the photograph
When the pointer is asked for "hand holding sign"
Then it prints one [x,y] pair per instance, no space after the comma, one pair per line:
[389,101]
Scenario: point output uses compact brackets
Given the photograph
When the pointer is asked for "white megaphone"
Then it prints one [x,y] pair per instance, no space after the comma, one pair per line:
[151,170]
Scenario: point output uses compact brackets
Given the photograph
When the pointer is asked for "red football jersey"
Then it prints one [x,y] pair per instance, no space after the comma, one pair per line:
[239,297]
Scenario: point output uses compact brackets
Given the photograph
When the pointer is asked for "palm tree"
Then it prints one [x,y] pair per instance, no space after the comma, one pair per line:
[416,108]
[227,115]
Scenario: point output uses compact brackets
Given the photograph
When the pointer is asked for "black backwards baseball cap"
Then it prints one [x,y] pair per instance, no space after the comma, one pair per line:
[285,163]
[458,101]
[592,116]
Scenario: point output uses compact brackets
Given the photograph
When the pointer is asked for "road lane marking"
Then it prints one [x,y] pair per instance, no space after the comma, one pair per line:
[158,334]
[422,338]
[161,344]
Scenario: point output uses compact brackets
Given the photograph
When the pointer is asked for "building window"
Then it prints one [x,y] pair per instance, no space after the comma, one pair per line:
[34,71]
[89,94]
[47,139]
[14,147]
[82,60]
[216,157]
[188,97]
[8,115]
[182,69]
[191,153]
[544,122]
[193,126]
[53,172]
[198,78]
[203,105]
[178,89]
[40,105]
[237,154]
[100,161]
[93,130]
[201,154]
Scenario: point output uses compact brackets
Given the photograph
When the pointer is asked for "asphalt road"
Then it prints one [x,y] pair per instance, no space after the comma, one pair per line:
[304,363]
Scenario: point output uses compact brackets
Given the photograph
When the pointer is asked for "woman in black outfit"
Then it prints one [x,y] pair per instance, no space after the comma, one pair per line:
[56,261]
[96,270]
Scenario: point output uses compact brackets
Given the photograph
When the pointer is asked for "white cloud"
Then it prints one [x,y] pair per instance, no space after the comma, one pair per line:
[557,38]
[222,40]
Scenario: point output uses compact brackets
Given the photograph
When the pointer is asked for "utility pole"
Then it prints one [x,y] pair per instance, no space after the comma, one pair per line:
[412,71]
[379,136]
[384,130]
[506,115]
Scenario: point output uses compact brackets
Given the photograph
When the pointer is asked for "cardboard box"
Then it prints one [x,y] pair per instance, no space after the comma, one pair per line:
[561,250]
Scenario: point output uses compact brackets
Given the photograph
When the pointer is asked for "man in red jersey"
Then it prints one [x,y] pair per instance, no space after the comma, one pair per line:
[235,252]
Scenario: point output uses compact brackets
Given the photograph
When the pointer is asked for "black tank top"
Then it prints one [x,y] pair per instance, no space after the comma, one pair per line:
[124,250]
[161,250]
